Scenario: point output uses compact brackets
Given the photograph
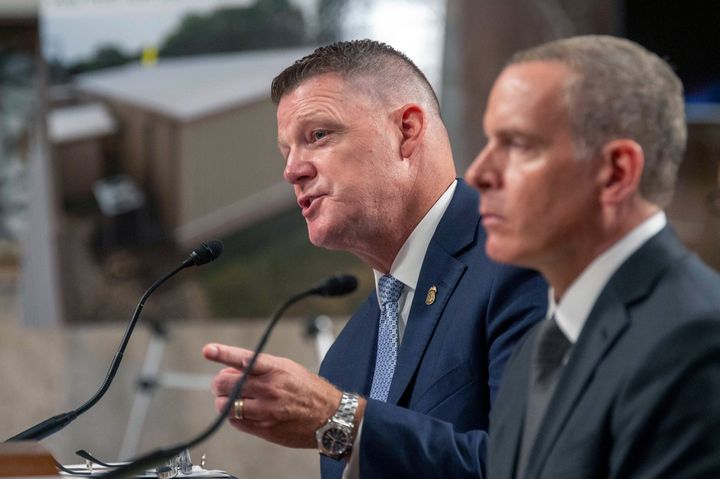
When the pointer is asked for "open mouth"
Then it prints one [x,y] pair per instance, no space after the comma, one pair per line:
[309,203]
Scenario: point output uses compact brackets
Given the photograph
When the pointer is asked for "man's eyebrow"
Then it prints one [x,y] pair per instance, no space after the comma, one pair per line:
[508,133]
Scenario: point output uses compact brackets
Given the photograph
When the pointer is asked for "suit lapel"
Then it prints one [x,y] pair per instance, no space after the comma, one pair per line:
[607,321]
[364,344]
[508,416]
[442,270]
[351,360]
[446,274]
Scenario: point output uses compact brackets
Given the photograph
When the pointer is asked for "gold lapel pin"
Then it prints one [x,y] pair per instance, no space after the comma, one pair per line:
[430,298]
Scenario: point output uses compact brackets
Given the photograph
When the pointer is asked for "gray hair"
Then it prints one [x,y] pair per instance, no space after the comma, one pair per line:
[622,90]
[389,69]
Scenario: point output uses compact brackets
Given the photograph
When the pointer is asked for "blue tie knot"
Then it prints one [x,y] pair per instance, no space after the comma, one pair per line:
[389,289]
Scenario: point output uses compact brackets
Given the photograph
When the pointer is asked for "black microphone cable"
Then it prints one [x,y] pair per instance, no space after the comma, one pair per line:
[334,286]
[205,253]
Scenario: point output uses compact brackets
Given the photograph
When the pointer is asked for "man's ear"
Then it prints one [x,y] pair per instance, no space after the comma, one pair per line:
[412,120]
[623,162]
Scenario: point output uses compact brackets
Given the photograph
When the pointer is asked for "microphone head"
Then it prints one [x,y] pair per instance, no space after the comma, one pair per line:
[206,252]
[337,285]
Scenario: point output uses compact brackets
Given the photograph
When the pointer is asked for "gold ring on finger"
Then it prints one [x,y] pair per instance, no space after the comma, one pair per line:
[238,409]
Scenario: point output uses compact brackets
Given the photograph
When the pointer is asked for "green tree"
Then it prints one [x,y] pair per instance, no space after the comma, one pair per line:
[266,24]
[105,56]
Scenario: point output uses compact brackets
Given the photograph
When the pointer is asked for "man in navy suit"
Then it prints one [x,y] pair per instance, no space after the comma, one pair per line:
[410,380]
[585,136]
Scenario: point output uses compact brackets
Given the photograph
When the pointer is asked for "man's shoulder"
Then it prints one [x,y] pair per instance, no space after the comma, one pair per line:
[670,304]
[689,290]
[679,282]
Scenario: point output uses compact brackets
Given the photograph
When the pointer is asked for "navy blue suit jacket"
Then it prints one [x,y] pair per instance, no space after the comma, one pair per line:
[450,361]
[638,397]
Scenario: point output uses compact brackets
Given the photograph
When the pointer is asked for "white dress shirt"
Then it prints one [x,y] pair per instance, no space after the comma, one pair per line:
[574,307]
[406,269]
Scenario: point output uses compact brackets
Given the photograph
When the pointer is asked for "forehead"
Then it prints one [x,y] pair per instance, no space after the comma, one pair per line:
[529,95]
[327,91]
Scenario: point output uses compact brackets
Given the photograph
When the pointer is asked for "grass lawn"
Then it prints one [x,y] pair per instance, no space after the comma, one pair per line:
[265,264]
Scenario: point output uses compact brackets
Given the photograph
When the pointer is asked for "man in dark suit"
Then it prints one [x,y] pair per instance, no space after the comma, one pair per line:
[411,378]
[622,380]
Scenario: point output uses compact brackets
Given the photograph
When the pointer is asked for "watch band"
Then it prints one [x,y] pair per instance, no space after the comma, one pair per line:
[347,408]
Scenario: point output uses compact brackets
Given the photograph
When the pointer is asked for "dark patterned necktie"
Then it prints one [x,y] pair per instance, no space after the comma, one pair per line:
[551,346]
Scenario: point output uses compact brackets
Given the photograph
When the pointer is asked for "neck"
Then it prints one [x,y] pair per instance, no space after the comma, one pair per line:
[380,259]
[562,270]
[384,248]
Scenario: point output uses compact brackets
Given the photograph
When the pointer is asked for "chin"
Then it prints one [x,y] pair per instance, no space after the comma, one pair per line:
[317,240]
[323,238]
[500,252]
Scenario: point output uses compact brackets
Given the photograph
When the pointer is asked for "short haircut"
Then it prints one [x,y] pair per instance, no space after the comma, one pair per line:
[388,68]
[622,90]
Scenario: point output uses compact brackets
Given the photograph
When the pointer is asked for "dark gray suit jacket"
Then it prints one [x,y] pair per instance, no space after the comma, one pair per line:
[640,395]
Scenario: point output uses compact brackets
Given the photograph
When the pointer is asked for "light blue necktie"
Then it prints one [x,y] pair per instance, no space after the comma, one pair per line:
[389,290]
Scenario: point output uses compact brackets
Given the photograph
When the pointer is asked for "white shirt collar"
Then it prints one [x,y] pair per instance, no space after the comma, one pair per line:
[409,260]
[576,304]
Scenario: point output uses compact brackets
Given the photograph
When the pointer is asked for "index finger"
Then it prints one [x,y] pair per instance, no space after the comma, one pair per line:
[236,357]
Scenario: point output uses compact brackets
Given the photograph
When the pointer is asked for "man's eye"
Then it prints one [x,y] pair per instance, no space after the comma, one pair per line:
[517,143]
[319,134]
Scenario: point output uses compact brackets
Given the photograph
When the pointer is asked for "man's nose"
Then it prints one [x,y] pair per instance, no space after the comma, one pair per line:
[483,173]
[298,169]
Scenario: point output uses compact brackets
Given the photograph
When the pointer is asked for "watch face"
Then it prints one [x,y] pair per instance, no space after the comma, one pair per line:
[335,440]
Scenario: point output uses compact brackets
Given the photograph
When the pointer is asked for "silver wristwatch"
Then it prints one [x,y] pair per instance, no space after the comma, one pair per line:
[335,437]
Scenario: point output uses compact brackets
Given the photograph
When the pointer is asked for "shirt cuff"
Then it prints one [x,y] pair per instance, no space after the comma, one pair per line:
[352,468]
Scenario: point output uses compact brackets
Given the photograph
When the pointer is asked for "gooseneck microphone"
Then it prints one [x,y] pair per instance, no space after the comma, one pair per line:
[338,285]
[201,255]
[334,286]
[205,253]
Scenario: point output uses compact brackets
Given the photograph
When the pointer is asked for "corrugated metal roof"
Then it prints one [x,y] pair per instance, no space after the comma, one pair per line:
[188,88]
[74,123]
